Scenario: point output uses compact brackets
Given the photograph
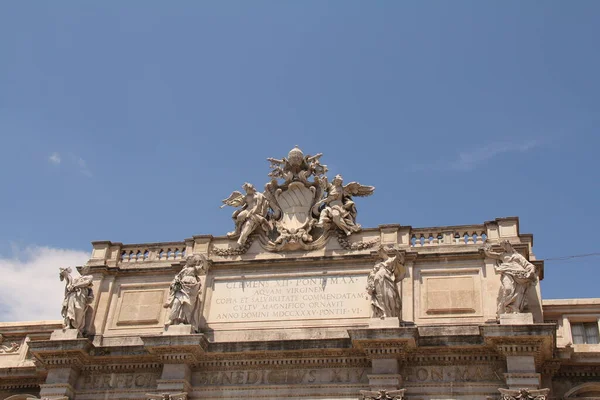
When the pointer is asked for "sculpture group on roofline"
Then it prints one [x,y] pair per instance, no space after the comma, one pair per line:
[298,213]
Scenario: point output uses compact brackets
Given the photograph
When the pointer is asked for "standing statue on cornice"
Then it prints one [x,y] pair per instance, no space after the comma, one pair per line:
[382,285]
[339,208]
[251,215]
[78,297]
[517,275]
[184,294]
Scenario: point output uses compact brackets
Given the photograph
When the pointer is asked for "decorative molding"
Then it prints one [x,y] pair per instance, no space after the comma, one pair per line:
[524,394]
[383,394]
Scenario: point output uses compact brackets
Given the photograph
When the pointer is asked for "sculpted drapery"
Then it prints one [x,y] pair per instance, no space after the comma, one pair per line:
[382,285]
[184,294]
[517,275]
[78,296]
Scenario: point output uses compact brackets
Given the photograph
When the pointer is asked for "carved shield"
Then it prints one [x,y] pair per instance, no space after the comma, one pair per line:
[295,203]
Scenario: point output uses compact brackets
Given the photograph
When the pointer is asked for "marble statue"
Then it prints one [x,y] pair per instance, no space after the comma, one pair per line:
[298,210]
[292,200]
[184,299]
[251,215]
[297,166]
[78,297]
[383,394]
[524,394]
[382,285]
[339,209]
[4,349]
[517,275]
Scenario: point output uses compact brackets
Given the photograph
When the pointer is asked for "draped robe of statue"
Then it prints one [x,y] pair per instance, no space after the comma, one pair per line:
[517,275]
[386,293]
[382,285]
[183,301]
[78,296]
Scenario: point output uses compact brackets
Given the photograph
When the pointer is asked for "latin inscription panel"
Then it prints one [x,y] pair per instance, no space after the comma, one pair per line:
[289,298]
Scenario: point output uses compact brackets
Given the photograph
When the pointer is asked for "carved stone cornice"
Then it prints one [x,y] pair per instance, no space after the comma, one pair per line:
[551,367]
[521,340]
[72,353]
[315,362]
[186,349]
[385,342]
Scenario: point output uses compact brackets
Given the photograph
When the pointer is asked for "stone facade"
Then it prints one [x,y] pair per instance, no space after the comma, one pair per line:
[301,302]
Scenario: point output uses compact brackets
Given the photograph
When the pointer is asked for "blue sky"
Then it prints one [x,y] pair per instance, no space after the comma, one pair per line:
[130,122]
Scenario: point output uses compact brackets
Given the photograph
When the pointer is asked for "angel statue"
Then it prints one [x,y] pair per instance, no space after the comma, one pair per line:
[78,297]
[383,394]
[382,285]
[339,209]
[184,294]
[251,215]
[517,275]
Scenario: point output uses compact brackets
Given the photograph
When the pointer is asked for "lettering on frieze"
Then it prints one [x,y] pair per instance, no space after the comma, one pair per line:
[454,373]
[340,296]
[120,381]
[281,376]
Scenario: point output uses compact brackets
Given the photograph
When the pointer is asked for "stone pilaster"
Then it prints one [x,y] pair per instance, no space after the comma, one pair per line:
[176,353]
[387,349]
[63,357]
[525,348]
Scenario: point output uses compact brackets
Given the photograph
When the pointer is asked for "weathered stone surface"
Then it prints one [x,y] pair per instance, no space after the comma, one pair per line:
[301,302]
[516,319]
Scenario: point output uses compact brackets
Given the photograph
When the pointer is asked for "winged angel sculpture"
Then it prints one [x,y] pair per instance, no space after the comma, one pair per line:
[251,215]
[296,212]
[339,209]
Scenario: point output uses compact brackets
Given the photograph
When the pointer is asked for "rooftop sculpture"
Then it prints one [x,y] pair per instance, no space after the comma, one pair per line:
[296,212]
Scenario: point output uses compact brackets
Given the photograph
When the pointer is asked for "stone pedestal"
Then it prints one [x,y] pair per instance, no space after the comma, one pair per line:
[516,319]
[65,334]
[393,322]
[181,329]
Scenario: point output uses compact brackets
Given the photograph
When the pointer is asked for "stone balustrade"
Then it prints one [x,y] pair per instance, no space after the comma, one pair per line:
[458,235]
[147,253]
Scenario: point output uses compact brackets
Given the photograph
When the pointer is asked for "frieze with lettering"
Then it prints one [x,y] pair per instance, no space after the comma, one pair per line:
[323,297]
[281,376]
[120,380]
[454,373]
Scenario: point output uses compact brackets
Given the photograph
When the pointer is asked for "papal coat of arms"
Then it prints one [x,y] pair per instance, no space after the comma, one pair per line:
[299,209]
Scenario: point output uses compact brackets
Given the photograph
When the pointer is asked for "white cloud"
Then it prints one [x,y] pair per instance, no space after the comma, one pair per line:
[30,289]
[54,158]
[468,160]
